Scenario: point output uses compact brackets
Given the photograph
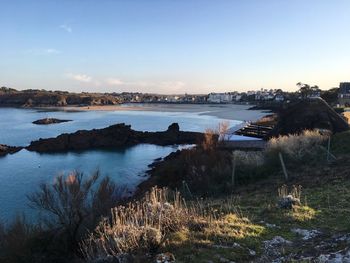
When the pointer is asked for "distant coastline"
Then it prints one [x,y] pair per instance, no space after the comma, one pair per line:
[237,112]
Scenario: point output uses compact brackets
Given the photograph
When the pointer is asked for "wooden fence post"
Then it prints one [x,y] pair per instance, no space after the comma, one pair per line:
[233,170]
[328,148]
[283,166]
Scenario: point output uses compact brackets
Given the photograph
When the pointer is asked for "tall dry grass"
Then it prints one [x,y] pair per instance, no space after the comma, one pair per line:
[213,137]
[304,147]
[295,191]
[140,225]
[145,225]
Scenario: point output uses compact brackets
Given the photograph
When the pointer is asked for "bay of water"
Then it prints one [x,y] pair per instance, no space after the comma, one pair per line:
[22,172]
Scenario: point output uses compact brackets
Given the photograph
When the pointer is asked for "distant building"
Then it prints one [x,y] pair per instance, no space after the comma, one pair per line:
[220,97]
[279,97]
[344,94]
[314,94]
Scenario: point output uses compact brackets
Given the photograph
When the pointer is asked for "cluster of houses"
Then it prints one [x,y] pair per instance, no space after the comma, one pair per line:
[160,98]
[225,97]
[259,95]
[344,94]
[276,95]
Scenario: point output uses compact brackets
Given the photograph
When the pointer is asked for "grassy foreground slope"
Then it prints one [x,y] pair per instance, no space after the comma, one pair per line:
[325,196]
[244,222]
[325,207]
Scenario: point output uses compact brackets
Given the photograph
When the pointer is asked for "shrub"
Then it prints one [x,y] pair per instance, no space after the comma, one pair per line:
[74,204]
[141,225]
[304,148]
[15,240]
[249,158]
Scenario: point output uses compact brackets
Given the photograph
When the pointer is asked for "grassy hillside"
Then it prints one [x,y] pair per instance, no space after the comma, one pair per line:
[247,224]
[203,215]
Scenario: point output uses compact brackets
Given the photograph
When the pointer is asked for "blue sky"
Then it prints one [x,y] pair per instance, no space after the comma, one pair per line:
[173,46]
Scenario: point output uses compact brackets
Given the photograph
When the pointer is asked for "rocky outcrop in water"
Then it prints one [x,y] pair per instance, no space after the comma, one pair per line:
[118,135]
[47,121]
[4,149]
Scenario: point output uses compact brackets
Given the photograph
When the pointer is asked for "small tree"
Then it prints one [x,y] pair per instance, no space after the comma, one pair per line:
[306,90]
[73,202]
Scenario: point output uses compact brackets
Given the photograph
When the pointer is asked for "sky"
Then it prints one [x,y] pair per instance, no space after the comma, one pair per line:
[173,46]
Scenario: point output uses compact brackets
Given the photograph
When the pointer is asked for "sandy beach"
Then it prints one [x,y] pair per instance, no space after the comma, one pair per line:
[222,111]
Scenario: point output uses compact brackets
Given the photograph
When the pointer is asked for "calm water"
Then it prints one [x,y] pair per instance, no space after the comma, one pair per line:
[21,173]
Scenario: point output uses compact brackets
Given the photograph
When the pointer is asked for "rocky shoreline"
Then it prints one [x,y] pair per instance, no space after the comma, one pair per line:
[114,136]
[5,149]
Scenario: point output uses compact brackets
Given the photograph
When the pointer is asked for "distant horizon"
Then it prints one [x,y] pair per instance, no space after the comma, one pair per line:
[173,47]
[155,93]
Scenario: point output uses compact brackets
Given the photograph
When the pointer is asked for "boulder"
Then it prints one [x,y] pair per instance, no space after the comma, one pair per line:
[287,202]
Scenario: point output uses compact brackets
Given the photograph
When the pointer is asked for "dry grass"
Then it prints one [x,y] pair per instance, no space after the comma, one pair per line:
[298,147]
[213,137]
[346,114]
[141,225]
[145,225]
[210,140]
[295,191]
[267,120]
[250,158]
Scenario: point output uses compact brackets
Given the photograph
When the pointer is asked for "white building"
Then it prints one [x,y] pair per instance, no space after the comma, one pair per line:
[279,97]
[220,97]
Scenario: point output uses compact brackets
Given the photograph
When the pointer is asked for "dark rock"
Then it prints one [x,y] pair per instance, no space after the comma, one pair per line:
[288,201]
[174,127]
[4,149]
[308,115]
[118,135]
[47,121]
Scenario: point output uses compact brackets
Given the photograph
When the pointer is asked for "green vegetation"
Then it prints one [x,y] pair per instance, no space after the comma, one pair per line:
[340,143]
[219,220]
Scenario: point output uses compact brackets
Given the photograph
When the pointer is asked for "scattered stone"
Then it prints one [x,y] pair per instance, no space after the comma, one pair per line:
[288,201]
[273,248]
[342,256]
[223,260]
[165,258]
[122,258]
[343,238]
[47,121]
[306,234]
[271,225]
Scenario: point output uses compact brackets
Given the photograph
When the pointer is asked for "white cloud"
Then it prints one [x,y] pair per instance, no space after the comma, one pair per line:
[66,28]
[52,51]
[43,51]
[80,77]
[114,82]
